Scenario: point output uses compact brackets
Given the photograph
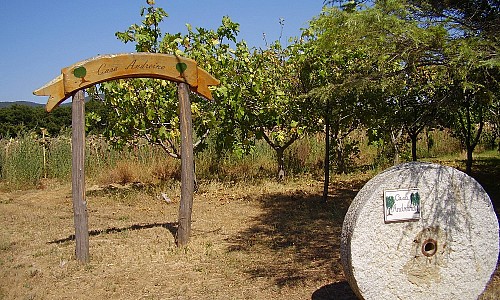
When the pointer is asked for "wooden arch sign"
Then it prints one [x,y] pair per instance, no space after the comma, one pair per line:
[81,75]
[116,66]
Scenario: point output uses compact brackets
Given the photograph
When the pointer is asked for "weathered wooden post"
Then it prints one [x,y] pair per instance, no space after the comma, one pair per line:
[44,143]
[78,177]
[187,166]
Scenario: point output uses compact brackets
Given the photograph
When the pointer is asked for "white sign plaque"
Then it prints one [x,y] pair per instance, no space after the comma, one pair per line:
[401,205]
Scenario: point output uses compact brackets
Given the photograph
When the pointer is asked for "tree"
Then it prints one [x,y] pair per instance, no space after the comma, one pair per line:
[275,107]
[147,108]
[414,99]
[259,96]
[474,88]
[467,16]
[472,63]
[16,119]
[413,105]
[336,68]
[141,108]
[214,52]
[259,93]
[348,5]
[360,58]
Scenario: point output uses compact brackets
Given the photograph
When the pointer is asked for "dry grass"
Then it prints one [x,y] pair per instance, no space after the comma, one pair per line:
[265,241]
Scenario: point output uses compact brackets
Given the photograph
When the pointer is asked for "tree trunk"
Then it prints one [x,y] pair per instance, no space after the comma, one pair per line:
[396,159]
[430,142]
[395,143]
[280,153]
[413,138]
[471,139]
[187,166]
[341,160]
[468,163]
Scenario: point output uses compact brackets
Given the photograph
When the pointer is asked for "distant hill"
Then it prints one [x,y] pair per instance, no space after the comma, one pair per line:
[27,103]
[33,104]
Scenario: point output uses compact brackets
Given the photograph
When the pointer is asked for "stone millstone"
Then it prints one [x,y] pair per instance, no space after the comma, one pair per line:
[449,252]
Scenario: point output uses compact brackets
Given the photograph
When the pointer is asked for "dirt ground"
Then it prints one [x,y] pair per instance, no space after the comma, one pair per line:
[264,241]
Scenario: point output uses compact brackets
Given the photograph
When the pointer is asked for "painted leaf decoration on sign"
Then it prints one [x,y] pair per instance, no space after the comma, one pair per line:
[181,67]
[80,72]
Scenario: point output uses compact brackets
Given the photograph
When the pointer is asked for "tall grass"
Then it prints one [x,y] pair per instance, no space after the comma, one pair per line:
[213,165]
[306,156]
[59,158]
[437,143]
[21,160]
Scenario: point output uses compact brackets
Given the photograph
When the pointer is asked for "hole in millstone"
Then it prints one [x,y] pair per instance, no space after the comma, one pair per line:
[429,247]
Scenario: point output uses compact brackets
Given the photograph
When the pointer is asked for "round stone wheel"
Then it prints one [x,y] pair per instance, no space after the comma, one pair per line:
[442,243]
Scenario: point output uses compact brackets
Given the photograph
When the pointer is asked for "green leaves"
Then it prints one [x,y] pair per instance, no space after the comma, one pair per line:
[147,108]
[378,66]
[147,35]
[229,29]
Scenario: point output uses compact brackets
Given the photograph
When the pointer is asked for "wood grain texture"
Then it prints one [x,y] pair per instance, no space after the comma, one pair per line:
[187,166]
[78,178]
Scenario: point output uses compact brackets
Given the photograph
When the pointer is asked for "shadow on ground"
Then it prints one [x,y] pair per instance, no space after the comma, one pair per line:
[171,227]
[487,172]
[335,291]
[301,234]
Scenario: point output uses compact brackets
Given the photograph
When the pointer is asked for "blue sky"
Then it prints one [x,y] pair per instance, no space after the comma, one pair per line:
[39,38]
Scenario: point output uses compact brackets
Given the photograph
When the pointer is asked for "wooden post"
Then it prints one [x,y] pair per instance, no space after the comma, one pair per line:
[187,166]
[78,177]
[44,143]
[326,166]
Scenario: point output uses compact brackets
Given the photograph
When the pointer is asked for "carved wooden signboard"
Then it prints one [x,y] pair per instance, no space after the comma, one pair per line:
[81,75]
[116,66]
